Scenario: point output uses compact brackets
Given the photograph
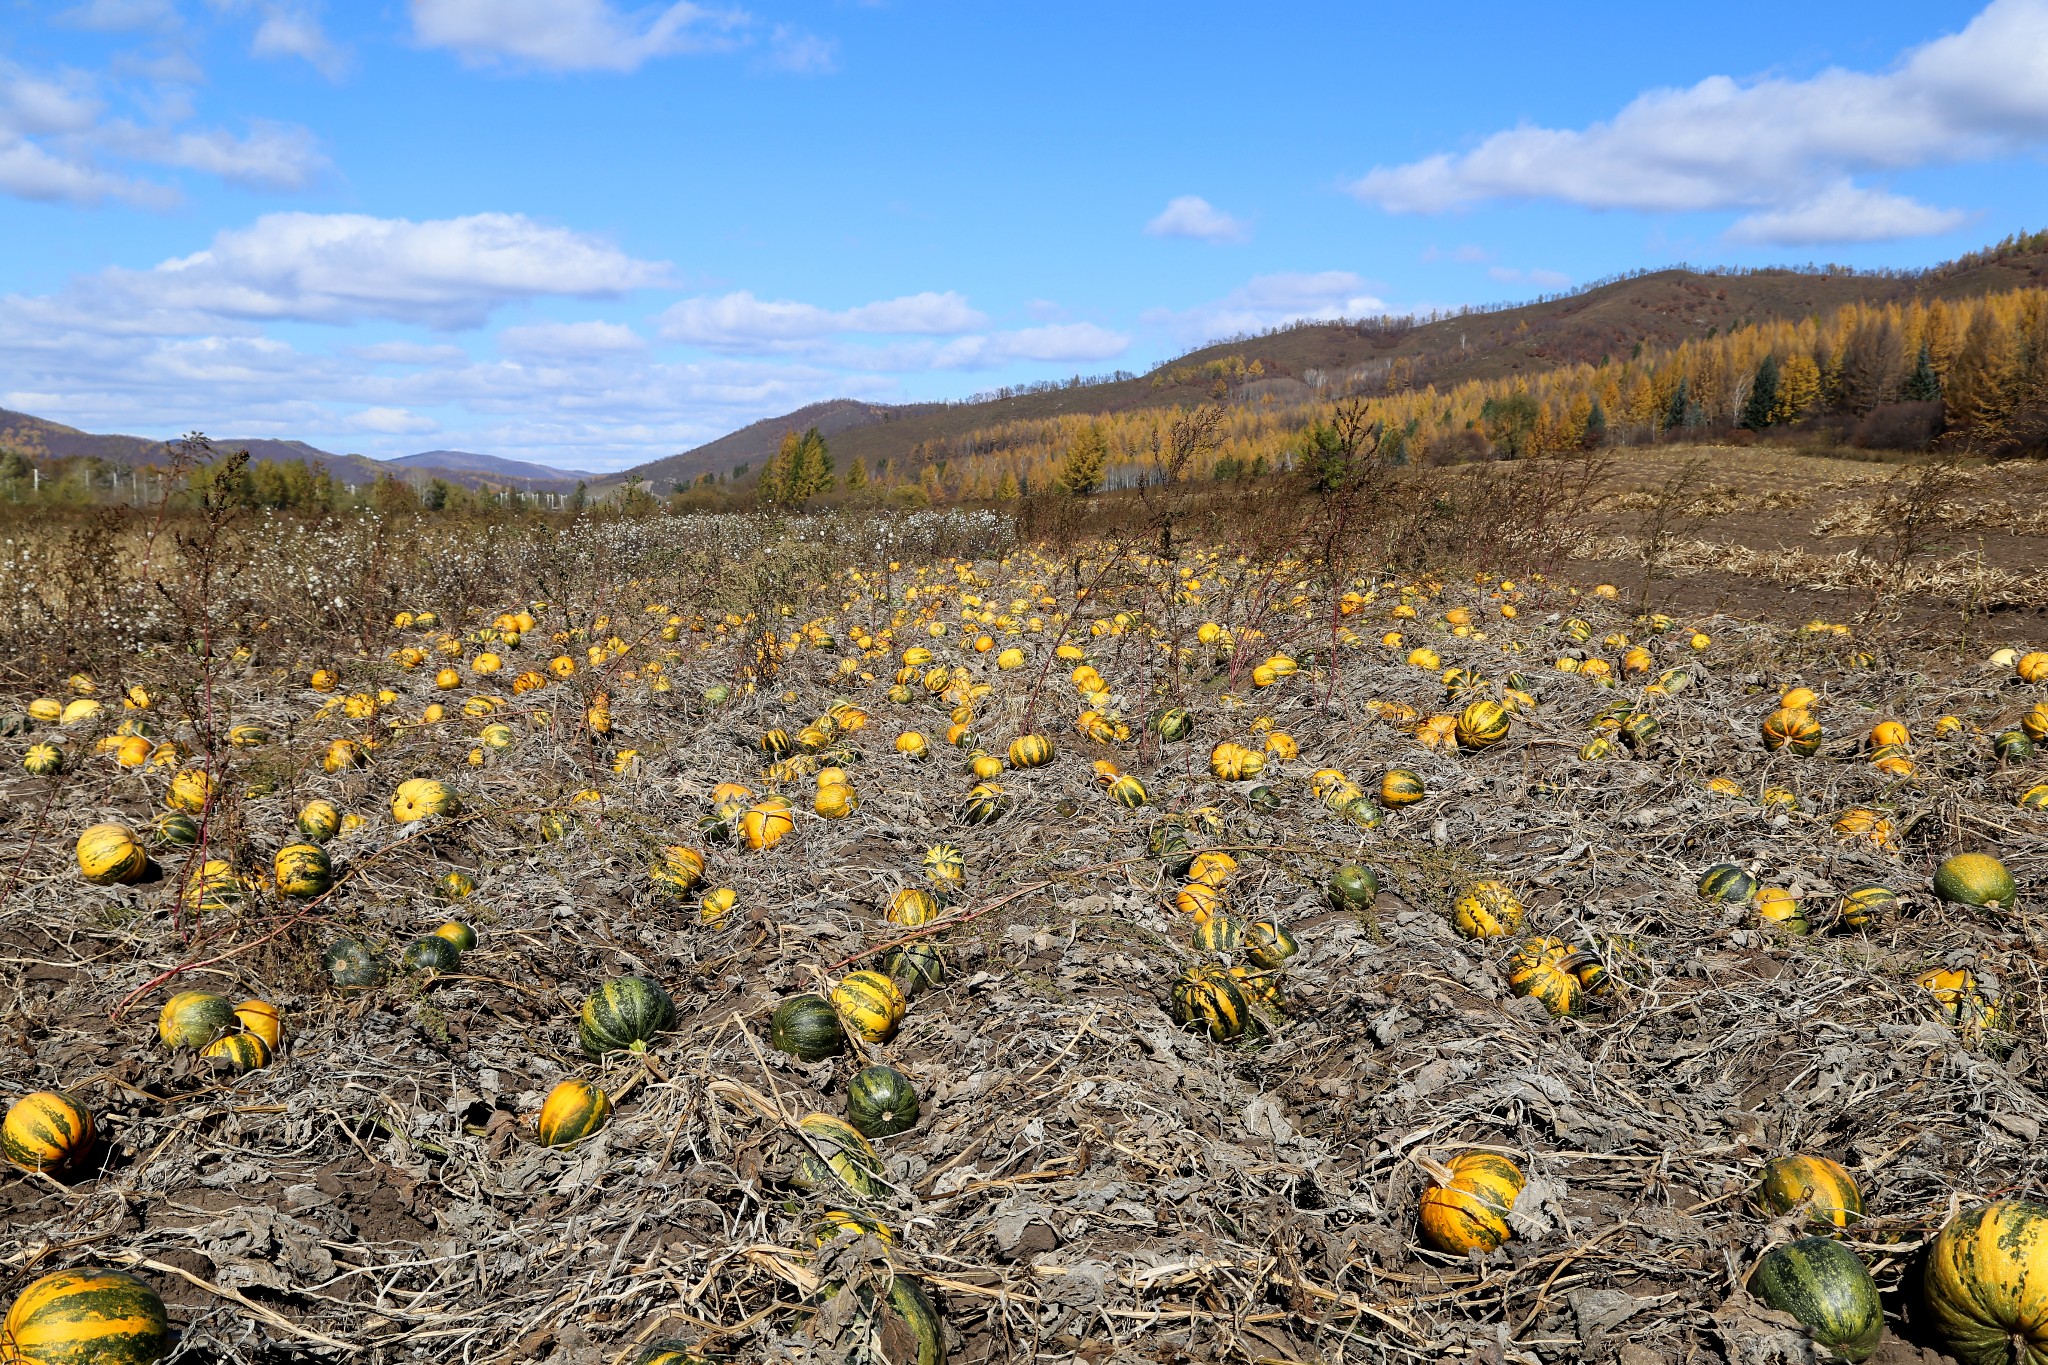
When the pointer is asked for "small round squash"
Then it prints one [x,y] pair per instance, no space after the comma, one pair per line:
[110,854]
[871,1003]
[1482,725]
[86,1317]
[319,821]
[430,954]
[1209,998]
[807,1028]
[1488,909]
[457,933]
[1975,879]
[1354,887]
[1816,1184]
[838,1160]
[1828,1288]
[47,1131]
[422,797]
[624,1014]
[1269,946]
[916,967]
[353,964]
[572,1111]
[1727,883]
[1986,1283]
[241,1053]
[1468,1212]
[193,1019]
[881,1102]
[303,871]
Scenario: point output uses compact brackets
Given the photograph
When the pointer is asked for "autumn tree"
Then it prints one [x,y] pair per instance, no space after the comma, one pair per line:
[1087,457]
[1798,388]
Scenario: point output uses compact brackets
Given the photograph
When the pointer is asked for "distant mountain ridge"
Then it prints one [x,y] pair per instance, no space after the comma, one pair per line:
[469,461]
[40,437]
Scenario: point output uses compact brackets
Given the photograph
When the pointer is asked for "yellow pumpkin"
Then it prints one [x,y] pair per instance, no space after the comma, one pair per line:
[263,1019]
[240,1052]
[85,1317]
[1986,1283]
[871,1003]
[1030,751]
[1537,969]
[1820,1188]
[1233,762]
[1467,1209]
[190,791]
[111,853]
[46,1131]
[764,824]
[422,797]
[1488,909]
[302,871]
[573,1110]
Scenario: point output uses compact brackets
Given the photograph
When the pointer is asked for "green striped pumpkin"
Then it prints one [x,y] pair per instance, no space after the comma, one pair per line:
[86,1317]
[1727,883]
[668,1353]
[1862,905]
[1975,879]
[1217,933]
[1827,1287]
[194,1019]
[1269,945]
[623,1015]
[1209,998]
[807,1028]
[1354,887]
[916,967]
[906,1316]
[881,1102]
[839,1160]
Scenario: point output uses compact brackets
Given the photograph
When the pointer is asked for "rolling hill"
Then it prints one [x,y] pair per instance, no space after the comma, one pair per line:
[495,466]
[1655,308]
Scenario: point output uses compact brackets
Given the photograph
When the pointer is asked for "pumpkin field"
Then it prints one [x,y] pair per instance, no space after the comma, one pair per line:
[890,938]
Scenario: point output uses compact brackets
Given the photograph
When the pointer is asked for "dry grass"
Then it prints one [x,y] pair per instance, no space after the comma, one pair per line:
[1088,1183]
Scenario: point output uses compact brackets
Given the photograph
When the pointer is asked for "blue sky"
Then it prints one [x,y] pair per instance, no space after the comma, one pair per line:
[592,233]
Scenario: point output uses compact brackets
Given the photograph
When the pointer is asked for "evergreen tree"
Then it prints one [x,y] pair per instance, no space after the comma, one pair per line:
[1681,400]
[857,475]
[1923,385]
[1763,395]
[1798,387]
[1596,429]
[1006,491]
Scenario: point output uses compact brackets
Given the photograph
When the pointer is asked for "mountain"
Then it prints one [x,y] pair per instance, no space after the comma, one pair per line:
[469,462]
[753,445]
[1380,355]
[38,436]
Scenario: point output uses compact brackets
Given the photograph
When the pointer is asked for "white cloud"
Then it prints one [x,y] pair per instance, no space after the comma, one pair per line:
[446,273]
[1844,213]
[1268,301]
[742,323]
[570,35]
[570,340]
[1067,341]
[1786,149]
[391,422]
[1467,254]
[408,353]
[61,143]
[290,28]
[1193,216]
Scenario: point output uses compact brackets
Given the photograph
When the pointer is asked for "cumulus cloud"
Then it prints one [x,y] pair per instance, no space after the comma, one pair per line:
[740,322]
[1192,216]
[1268,301]
[1786,150]
[571,35]
[61,142]
[445,273]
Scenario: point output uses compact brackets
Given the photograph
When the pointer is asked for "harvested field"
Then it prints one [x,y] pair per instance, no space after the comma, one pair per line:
[1086,1180]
